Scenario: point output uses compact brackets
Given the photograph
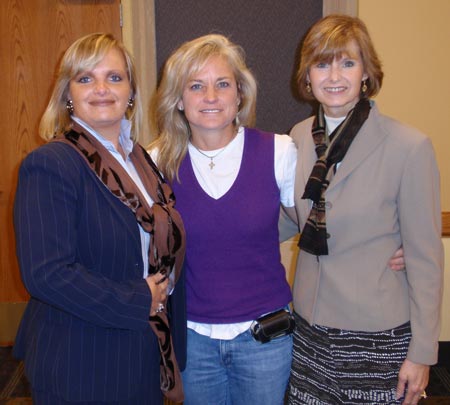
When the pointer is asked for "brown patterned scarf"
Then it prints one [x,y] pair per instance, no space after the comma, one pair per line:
[161,221]
[313,238]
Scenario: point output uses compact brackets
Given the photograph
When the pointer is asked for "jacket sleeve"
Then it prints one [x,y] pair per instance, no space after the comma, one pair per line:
[420,227]
[287,228]
[47,222]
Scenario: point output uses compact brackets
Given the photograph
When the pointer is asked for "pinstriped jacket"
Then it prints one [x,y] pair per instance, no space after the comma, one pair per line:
[85,332]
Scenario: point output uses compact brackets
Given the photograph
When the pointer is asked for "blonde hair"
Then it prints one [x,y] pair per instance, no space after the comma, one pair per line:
[84,54]
[170,124]
[329,38]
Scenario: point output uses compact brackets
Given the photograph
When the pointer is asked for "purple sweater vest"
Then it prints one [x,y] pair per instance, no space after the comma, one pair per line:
[233,267]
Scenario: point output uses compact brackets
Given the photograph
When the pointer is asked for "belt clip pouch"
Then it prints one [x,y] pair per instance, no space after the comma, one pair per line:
[273,325]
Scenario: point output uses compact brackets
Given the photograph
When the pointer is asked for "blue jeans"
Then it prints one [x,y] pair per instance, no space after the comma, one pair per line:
[238,371]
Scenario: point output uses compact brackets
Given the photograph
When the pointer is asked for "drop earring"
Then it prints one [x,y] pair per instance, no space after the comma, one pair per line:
[130,102]
[364,86]
[308,87]
[69,106]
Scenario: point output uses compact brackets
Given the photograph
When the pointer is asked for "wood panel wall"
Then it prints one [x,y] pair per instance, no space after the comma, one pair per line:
[34,34]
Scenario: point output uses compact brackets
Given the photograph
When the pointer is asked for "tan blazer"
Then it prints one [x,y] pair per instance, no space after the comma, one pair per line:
[385,194]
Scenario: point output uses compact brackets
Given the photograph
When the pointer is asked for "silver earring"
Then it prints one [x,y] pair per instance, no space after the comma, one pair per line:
[69,106]
[308,87]
[130,102]
[180,108]
[364,86]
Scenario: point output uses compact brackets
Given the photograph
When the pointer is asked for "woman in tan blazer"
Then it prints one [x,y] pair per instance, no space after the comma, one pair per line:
[365,185]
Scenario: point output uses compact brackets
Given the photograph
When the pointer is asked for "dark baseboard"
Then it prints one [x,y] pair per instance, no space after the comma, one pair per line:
[444,355]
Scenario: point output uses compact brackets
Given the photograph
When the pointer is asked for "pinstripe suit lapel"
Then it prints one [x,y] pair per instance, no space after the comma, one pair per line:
[129,221]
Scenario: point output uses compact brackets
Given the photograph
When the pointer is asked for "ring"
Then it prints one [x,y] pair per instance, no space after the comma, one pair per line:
[160,308]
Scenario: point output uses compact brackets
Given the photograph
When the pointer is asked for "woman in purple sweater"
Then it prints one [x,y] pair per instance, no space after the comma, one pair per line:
[229,181]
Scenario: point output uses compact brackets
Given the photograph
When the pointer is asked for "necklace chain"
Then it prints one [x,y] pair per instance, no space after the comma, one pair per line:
[211,158]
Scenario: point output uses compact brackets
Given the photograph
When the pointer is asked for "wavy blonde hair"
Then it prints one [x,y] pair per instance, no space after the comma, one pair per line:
[169,123]
[84,54]
[329,38]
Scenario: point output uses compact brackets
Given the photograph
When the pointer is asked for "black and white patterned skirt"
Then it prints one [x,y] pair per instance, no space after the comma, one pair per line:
[333,366]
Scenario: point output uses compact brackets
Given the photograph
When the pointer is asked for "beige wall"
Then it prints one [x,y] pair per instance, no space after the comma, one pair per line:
[411,37]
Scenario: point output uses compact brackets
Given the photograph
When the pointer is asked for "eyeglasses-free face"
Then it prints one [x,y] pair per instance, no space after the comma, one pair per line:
[337,85]
[100,96]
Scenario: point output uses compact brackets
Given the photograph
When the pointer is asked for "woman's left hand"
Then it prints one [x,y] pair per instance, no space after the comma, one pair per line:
[397,261]
[412,379]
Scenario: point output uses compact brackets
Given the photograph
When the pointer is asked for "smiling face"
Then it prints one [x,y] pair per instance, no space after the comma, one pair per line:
[100,95]
[337,85]
[211,99]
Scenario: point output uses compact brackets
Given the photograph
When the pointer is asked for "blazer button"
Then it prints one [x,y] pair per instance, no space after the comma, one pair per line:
[328,205]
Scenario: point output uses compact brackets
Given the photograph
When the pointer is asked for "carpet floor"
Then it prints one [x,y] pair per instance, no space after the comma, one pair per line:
[15,389]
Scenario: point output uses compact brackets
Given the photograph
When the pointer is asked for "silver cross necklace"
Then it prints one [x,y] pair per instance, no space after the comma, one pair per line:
[211,158]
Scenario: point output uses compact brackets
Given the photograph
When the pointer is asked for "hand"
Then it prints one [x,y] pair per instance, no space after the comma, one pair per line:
[397,261]
[158,285]
[412,379]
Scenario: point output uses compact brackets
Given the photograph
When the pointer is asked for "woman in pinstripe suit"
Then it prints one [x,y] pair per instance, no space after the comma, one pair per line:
[99,243]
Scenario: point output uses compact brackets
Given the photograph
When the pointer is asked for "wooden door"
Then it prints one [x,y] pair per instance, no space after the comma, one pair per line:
[33,36]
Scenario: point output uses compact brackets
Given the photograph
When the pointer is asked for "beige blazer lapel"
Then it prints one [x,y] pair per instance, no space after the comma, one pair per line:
[369,138]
